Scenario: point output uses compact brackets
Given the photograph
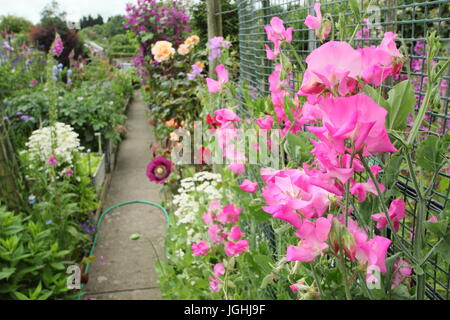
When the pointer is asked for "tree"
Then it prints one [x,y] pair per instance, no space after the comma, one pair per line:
[14,24]
[114,26]
[53,15]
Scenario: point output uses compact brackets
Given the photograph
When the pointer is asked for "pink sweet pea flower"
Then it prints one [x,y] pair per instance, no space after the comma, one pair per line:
[400,271]
[313,245]
[433,219]
[235,233]
[214,284]
[237,168]
[224,116]
[335,66]
[229,214]
[200,248]
[265,124]
[219,270]
[322,27]
[214,86]
[361,189]
[215,234]
[276,33]
[357,118]
[248,186]
[396,213]
[373,252]
[236,248]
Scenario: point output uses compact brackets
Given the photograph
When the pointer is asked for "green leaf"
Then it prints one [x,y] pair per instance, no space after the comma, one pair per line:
[439,228]
[444,249]
[401,102]
[6,273]
[428,155]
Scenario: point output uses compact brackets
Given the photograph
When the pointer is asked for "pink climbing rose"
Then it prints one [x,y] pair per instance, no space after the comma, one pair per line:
[200,248]
[322,26]
[214,86]
[396,213]
[248,186]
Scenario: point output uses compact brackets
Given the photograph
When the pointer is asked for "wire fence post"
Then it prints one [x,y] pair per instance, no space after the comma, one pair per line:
[214,8]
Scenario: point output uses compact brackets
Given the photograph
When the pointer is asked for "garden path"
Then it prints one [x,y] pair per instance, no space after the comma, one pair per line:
[124,269]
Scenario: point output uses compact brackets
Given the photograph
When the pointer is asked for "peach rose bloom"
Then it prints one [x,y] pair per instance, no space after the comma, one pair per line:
[162,51]
[192,40]
[184,49]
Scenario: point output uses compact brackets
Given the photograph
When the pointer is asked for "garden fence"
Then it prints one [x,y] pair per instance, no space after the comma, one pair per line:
[411,20]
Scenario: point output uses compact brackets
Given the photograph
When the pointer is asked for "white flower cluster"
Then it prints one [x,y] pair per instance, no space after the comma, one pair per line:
[60,141]
[195,192]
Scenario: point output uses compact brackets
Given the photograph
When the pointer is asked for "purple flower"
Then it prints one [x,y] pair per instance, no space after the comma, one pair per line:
[196,71]
[19,113]
[216,45]
[5,118]
[24,118]
[159,169]
[69,172]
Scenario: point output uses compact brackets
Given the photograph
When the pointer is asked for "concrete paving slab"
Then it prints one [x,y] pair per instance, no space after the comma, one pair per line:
[124,269]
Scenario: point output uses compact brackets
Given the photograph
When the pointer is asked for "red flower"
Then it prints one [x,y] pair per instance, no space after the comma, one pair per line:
[212,122]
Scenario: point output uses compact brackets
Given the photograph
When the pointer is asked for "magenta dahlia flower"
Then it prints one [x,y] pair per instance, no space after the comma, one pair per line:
[159,169]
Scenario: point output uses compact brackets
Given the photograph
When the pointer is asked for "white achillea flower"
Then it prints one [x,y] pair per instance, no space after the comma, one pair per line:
[194,193]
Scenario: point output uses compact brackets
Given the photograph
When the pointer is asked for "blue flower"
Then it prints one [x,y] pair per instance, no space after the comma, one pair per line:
[48,222]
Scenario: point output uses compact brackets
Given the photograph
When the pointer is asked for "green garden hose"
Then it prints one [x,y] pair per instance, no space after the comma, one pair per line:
[94,243]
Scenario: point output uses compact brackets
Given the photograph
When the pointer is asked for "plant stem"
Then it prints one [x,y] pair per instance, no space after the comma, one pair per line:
[343,269]
[386,211]
[316,278]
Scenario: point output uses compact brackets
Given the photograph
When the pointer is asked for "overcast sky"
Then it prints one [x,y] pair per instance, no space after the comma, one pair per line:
[75,9]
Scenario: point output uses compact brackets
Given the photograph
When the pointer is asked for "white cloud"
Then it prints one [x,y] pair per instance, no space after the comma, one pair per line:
[75,9]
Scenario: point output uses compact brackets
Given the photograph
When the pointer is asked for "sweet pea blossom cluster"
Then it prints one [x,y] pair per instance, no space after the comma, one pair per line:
[348,126]
[223,229]
[52,146]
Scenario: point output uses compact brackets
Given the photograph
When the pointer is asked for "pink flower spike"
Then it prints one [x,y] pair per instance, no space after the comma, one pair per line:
[248,186]
[235,234]
[200,248]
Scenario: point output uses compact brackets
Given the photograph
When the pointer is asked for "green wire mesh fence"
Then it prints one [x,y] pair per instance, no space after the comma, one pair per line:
[411,20]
